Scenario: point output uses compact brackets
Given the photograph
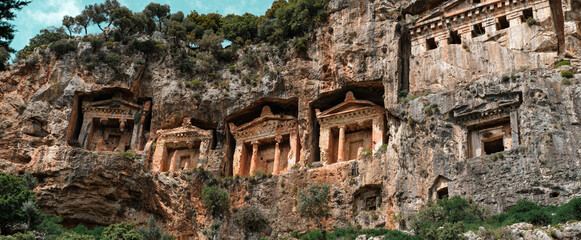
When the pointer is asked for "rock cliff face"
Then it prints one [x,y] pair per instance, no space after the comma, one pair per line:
[444,108]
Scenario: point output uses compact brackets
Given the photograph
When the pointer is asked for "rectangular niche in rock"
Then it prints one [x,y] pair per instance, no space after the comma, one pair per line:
[367,198]
[491,127]
[267,144]
[349,128]
[181,148]
[111,123]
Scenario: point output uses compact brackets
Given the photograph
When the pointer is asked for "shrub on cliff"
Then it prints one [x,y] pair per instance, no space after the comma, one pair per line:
[215,199]
[444,218]
[250,219]
[14,192]
[153,232]
[61,48]
[123,231]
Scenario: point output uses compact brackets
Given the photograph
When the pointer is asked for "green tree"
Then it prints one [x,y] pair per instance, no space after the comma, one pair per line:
[276,5]
[96,14]
[178,16]
[153,232]
[299,17]
[31,181]
[250,219]
[82,21]
[123,231]
[209,42]
[14,193]
[74,236]
[207,21]
[215,199]
[245,27]
[46,36]
[7,14]
[176,30]
[314,204]
[158,12]
[122,18]
[68,23]
[30,210]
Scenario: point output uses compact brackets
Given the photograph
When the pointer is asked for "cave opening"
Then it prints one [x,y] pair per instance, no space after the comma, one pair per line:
[502,23]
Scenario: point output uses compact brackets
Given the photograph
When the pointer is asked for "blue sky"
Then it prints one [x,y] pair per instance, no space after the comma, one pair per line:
[41,14]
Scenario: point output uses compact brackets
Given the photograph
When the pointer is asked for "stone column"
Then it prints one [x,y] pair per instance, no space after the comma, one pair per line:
[276,155]
[324,145]
[158,156]
[254,159]
[204,146]
[341,144]
[377,132]
[86,131]
[173,161]
[294,153]
[514,129]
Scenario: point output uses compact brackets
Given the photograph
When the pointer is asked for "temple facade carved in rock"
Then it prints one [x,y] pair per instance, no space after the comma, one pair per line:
[268,144]
[456,21]
[349,128]
[113,124]
[181,148]
[491,127]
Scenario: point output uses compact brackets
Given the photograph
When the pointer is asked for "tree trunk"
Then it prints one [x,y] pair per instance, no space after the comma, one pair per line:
[323,231]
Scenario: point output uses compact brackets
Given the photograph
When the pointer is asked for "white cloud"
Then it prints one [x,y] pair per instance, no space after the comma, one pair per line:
[52,11]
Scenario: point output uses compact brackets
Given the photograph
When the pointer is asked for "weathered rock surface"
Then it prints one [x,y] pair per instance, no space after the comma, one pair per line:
[361,49]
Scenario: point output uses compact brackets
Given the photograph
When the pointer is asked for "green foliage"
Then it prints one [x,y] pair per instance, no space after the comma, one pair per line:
[50,226]
[31,181]
[153,232]
[15,193]
[300,46]
[566,81]
[563,63]
[505,77]
[567,74]
[403,93]
[61,48]
[569,211]
[83,230]
[298,17]
[244,27]
[147,46]
[314,202]
[215,199]
[157,12]
[46,36]
[19,236]
[208,21]
[250,219]
[123,231]
[74,236]
[351,233]
[449,214]
[7,14]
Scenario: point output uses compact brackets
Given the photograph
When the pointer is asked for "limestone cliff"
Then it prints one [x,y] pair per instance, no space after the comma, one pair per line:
[488,117]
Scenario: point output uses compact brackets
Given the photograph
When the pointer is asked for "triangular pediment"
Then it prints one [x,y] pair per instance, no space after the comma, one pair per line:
[114,103]
[261,121]
[348,106]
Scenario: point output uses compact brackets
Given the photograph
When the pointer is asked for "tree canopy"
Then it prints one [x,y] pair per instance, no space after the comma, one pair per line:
[14,192]
[7,8]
